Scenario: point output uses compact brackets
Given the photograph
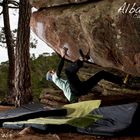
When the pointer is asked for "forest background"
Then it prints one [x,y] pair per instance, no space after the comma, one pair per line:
[22,75]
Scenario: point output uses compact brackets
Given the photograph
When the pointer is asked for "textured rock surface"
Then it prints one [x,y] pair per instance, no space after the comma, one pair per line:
[53,98]
[112,38]
[49,3]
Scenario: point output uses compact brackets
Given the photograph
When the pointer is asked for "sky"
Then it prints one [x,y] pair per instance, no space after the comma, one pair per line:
[41,46]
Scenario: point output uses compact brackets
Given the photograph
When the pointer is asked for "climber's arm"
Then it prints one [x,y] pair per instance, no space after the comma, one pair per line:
[61,63]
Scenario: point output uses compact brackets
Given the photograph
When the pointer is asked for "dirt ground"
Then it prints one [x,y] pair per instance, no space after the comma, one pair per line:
[6,134]
[30,135]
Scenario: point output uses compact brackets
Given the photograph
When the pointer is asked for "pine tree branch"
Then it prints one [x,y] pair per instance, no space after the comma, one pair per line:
[3,42]
[1,12]
[13,7]
[1,4]
[16,4]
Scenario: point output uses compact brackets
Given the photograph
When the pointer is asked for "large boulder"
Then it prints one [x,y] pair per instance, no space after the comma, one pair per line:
[107,30]
[50,3]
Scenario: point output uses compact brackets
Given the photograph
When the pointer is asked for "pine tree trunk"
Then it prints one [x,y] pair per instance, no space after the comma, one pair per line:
[10,48]
[22,71]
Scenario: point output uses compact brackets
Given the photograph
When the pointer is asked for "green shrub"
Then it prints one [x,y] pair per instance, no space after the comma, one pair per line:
[39,68]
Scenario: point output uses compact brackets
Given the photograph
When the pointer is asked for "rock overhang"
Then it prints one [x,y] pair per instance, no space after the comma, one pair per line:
[111,36]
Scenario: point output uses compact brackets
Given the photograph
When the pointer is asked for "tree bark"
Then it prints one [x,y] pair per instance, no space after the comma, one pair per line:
[10,49]
[22,71]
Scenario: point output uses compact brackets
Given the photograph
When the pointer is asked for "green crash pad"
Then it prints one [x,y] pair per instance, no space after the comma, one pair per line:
[77,115]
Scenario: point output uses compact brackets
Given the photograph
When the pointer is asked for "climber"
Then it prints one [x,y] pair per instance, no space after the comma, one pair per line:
[73,87]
